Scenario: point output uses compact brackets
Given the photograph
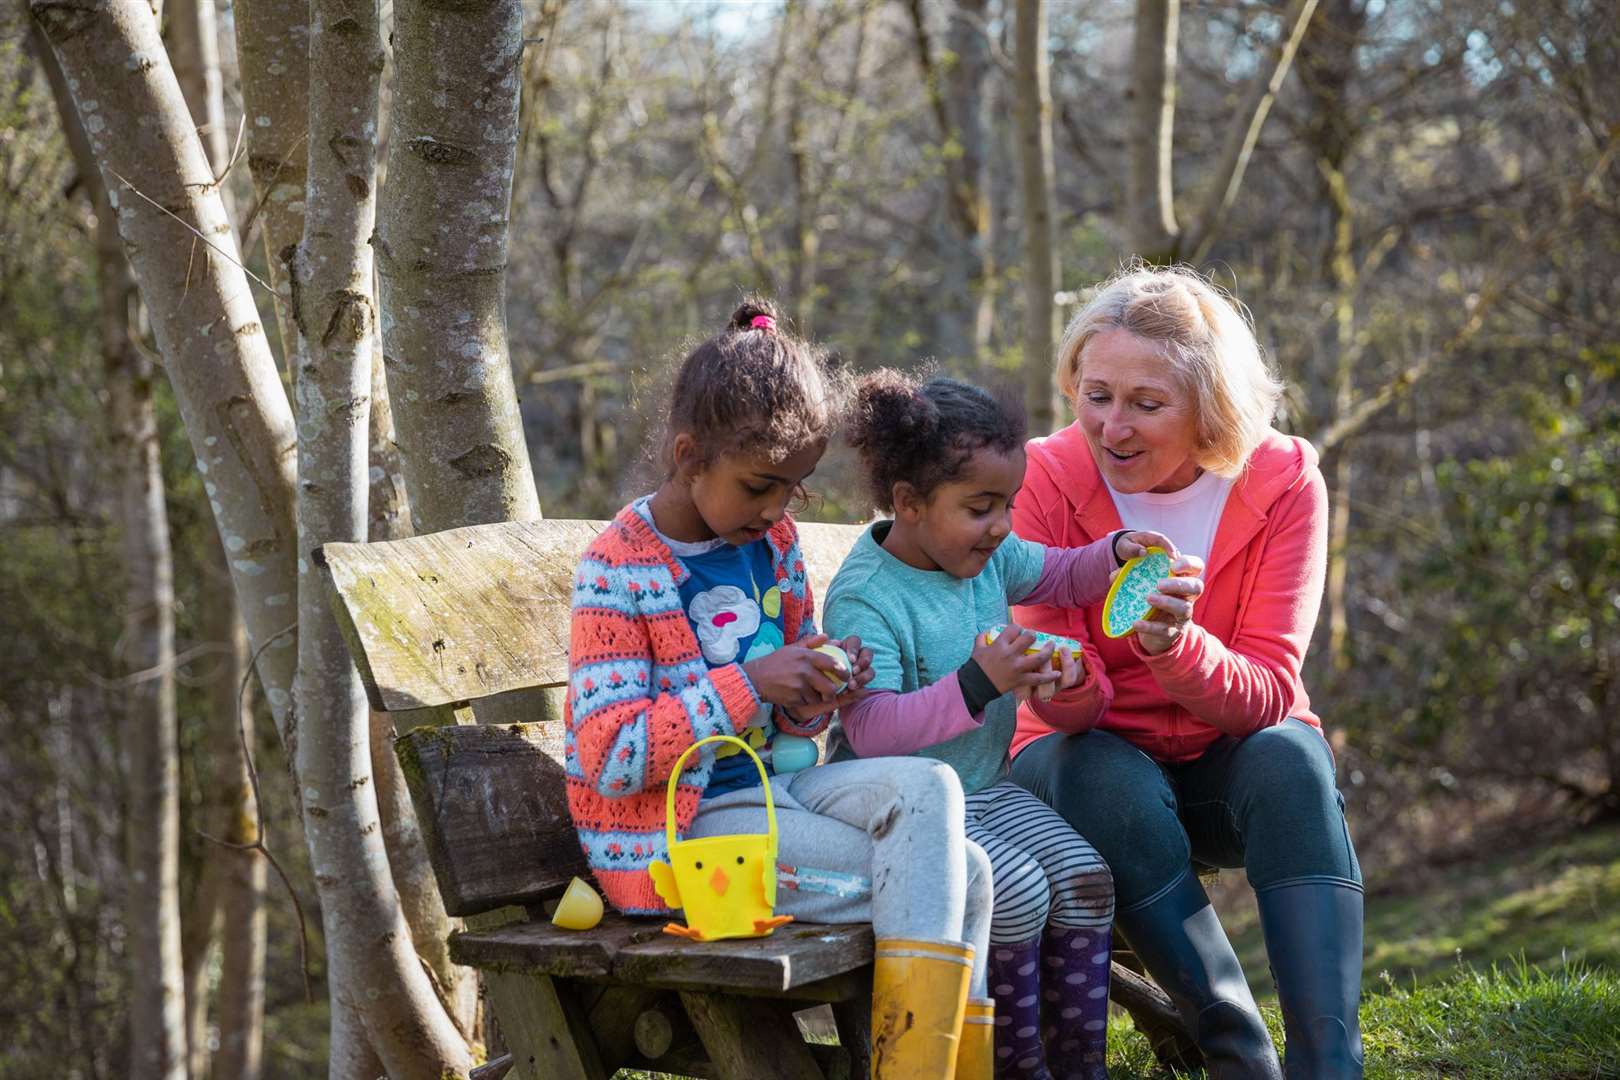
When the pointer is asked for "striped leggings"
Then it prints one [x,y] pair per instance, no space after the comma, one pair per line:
[1044,871]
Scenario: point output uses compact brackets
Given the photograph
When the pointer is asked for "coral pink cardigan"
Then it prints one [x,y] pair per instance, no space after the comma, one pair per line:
[1237,669]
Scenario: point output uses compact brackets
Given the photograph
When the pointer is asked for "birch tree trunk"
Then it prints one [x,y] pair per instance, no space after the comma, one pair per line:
[441,258]
[157,1016]
[373,971]
[194,51]
[1149,190]
[272,48]
[218,360]
[239,1008]
[388,513]
[1040,252]
[157,1000]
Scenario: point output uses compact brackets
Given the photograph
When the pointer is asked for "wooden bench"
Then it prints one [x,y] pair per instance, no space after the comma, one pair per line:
[476,620]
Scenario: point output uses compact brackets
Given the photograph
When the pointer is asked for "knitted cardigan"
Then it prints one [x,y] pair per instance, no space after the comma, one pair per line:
[640,693]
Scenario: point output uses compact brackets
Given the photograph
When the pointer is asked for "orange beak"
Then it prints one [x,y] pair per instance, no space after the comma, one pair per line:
[719,882]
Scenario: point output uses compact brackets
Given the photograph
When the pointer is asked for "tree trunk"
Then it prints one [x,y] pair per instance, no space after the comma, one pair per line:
[272,48]
[965,86]
[194,51]
[239,1007]
[388,514]
[149,736]
[441,257]
[954,86]
[374,973]
[1149,193]
[1040,252]
[218,360]
[1327,63]
[157,993]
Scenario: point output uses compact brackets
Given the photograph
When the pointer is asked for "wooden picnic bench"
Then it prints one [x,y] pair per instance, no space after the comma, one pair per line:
[476,621]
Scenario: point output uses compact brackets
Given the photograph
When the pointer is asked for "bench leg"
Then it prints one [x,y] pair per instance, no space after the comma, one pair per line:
[546,1030]
[855,1033]
[748,1038]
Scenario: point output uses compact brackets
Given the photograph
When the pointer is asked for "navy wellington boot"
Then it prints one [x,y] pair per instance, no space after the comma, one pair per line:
[1179,939]
[1313,937]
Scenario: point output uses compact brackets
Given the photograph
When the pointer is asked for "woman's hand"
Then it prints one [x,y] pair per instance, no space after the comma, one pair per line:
[1172,604]
[1010,667]
[1135,544]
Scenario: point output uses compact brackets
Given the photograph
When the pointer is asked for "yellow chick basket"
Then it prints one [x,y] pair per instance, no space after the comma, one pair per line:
[726,885]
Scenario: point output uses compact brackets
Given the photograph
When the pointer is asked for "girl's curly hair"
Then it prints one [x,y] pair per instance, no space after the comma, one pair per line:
[924,433]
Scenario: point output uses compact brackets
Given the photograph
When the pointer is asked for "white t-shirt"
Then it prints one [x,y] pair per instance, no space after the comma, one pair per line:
[1188,517]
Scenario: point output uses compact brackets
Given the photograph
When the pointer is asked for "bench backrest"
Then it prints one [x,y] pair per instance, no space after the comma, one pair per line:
[440,621]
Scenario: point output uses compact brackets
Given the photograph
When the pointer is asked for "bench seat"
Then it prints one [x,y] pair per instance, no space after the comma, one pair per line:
[795,961]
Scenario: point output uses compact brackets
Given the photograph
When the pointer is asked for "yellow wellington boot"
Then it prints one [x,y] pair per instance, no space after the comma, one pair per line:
[919,996]
[976,1057]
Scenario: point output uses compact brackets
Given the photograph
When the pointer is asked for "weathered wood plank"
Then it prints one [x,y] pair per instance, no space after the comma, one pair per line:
[748,1038]
[549,1040]
[793,957]
[541,948]
[458,615]
[797,958]
[493,813]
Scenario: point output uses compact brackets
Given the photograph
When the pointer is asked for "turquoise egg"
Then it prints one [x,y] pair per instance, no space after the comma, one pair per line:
[791,753]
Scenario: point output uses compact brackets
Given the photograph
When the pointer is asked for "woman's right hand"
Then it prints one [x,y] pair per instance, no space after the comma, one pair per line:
[796,675]
[1010,667]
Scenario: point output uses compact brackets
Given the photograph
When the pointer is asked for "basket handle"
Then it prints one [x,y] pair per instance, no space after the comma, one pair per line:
[675,774]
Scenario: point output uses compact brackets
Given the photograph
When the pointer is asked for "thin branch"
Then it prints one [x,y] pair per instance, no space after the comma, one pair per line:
[259,830]
[194,231]
[1245,132]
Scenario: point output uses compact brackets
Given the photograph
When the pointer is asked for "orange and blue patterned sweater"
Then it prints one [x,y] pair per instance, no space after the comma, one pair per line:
[640,693]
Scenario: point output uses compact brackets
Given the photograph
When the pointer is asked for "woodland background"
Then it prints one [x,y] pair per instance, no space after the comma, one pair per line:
[1415,199]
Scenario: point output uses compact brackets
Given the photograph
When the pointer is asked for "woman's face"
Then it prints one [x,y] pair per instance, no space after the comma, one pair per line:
[1142,427]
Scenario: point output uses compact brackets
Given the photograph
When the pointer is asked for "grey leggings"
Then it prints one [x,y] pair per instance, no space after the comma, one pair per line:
[1044,871]
[877,841]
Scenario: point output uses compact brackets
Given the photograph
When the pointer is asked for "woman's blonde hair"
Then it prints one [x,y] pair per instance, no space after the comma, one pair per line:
[1206,336]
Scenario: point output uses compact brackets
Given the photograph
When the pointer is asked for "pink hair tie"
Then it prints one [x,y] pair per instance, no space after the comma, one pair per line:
[762,322]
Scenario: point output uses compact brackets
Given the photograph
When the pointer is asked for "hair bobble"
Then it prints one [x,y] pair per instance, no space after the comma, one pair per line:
[763,322]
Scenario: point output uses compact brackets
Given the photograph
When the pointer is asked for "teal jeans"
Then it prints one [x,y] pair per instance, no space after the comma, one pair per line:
[1267,803]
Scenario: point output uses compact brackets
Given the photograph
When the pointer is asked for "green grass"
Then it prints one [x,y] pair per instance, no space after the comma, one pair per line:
[1507,968]
[1547,906]
[1515,1023]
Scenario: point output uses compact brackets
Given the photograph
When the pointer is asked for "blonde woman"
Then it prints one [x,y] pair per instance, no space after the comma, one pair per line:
[1197,742]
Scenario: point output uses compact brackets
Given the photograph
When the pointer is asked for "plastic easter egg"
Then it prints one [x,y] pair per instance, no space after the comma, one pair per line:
[1059,642]
[580,907]
[1127,597]
[792,753]
[838,654]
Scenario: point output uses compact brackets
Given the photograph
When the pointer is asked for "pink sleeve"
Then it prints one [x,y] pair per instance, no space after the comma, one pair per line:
[1074,577]
[1249,683]
[1078,708]
[887,723]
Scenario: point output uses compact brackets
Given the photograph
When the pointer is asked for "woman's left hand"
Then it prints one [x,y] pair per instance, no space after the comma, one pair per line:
[1172,604]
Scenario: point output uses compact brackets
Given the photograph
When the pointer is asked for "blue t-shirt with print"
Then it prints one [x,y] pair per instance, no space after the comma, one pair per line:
[735,609]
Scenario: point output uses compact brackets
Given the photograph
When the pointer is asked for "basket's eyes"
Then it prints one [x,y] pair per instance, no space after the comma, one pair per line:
[739,860]
[699,864]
